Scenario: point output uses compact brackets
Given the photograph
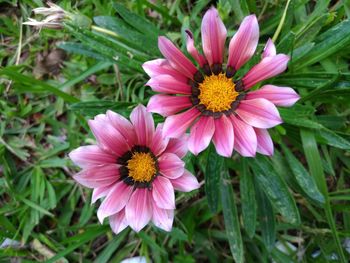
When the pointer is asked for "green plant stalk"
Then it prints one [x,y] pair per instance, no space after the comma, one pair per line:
[280,25]
[313,157]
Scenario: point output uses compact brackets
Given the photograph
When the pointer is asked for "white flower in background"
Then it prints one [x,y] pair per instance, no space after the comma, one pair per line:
[53,14]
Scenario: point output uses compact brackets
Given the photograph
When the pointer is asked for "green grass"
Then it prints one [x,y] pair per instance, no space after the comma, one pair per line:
[300,196]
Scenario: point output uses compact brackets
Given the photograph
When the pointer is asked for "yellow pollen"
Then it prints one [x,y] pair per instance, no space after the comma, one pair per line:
[217,92]
[142,167]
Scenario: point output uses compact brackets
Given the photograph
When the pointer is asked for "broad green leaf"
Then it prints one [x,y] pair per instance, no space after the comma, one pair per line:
[266,218]
[139,23]
[334,40]
[314,161]
[305,181]
[248,201]
[92,108]
[215,165]
[276,189]
[231,217]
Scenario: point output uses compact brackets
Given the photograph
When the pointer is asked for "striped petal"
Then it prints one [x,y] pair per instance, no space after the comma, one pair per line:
[201,133]
[166,105]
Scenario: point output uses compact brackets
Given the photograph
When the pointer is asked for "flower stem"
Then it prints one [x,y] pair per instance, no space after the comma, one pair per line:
[280,25]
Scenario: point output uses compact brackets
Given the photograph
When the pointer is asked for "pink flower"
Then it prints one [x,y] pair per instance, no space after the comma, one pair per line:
[135,168]
[209,99]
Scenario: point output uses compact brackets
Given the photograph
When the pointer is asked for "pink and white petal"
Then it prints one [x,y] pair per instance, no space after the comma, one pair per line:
[100,192]
[267,68]
[97,176]
[187,182]
[259,113]
[166,105]
[163,193]
[91,155]
[201,133]
[159,142]
[224,136]
[245,138]
[269,50]
[144,124]
[124,126]
[170,165]
[213,36]
[178,146]
[115,201]
[169,84]
[193,50]
[265,144]
[138,210]
[176,125]
[163,218]
[161,66]
[176,58]
[280,96]
[243,44]
[108,137]
[118,222]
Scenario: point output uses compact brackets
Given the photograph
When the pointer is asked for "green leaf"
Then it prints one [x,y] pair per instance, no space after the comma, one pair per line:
[248,201]
[113,245]
[305,181]
[215,164]
[231,217]
[334,40]
[139,23]
[334,139]
[31,84]
[315,165]
[276,189]
[35,206]
[266,218]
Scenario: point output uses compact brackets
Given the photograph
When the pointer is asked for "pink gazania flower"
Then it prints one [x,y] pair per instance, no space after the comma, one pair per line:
[135,168]
[210,99]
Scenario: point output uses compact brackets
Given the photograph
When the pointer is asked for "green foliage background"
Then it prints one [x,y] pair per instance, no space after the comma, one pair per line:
[300,196]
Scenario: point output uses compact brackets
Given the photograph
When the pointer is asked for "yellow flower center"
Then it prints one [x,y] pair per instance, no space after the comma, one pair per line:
[217,92]
[142,167]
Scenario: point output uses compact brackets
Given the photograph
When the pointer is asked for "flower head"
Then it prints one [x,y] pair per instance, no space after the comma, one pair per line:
[135,168]
[209,99]
[53,14]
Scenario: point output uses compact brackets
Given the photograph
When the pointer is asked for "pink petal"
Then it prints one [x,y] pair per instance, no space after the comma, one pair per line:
[118,222]
[213,36]
[265,144]
[280,96]
[91,155]
[269,50]
[169,84]
[176,58]
[193,50]
[124,126]
[224,136]
[166,105]
[170,165]
[115,201]
[100,192]
[243,44]
[187,182]
[159,143]
[163,218]
[178,146]
[144,125]
[161,66]
[259,113]
[245,138]
[108,137]
[267,68]
[97,176]
[163,193]
[176,125]
[201,133]
[138,211]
